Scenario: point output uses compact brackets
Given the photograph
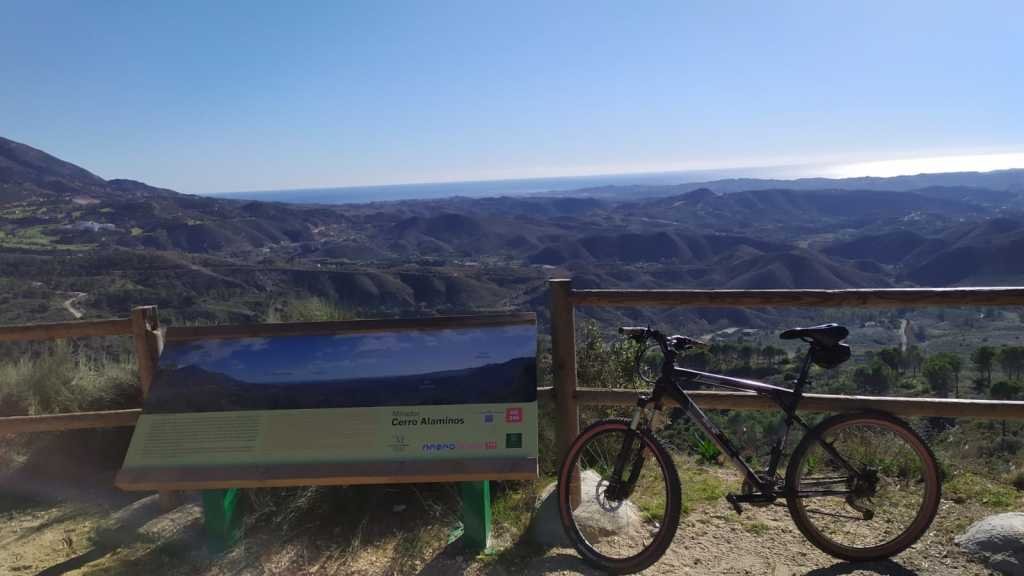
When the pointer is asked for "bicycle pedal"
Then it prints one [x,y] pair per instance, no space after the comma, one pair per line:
[734,502]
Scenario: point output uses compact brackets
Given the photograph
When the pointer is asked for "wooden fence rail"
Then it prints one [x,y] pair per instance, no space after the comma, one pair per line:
[858,298]
[117,327]
[70,421]
[144,327]
[568,397]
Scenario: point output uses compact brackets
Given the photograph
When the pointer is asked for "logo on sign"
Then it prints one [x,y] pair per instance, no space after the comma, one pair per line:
[398,443]
[491,445]
[438,446]
[514,415]
[513,440]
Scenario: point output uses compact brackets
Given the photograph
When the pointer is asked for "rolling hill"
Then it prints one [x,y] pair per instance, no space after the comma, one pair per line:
[64,229]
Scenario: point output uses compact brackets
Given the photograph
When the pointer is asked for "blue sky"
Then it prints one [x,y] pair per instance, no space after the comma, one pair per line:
[309,358]
[220,96]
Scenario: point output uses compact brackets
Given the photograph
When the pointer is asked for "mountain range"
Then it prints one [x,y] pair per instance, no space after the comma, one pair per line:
[65,230]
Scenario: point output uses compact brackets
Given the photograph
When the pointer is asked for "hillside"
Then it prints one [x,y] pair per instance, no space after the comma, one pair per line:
[64,230]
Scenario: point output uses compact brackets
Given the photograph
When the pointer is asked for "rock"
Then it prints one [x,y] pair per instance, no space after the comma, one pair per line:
[998,541]
[545,526]
[594,521]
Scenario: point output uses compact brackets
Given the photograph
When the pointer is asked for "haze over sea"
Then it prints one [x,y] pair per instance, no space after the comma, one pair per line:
[539,186]
[484,188]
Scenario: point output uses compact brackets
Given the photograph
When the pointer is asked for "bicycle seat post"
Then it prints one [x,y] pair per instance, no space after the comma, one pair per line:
[805,369]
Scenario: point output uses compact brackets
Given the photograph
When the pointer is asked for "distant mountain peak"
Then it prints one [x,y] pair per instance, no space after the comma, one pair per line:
[27,172]
[21,162]
[699,195]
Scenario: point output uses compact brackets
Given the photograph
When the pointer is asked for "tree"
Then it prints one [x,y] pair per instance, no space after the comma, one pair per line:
[1011,360]
[770,353]
[1004,390]
[746,354]
[982,358]
[875,378]
[697,359]
[723,353]
[892,358]
[981,385]
[956,366]
[912,358]
[939,374]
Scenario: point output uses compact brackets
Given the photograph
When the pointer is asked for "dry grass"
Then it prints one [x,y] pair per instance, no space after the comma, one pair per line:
[58,379]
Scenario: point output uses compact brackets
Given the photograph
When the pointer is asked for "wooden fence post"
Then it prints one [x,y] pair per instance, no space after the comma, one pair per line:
[145,330]
[563,363]
[149,343]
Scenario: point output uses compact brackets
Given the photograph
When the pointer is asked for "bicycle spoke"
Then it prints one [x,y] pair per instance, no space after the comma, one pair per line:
[834,515]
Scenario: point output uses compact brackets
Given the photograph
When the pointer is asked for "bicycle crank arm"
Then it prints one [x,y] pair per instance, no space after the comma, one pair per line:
[754,499]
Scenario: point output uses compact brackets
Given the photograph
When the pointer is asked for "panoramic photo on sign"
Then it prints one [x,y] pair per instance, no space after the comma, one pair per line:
[428,394]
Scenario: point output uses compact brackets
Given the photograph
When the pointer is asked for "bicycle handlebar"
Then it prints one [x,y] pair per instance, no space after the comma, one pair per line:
[676,342]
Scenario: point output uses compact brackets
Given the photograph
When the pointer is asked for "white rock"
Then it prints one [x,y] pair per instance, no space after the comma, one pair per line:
[595,521]
[998,541]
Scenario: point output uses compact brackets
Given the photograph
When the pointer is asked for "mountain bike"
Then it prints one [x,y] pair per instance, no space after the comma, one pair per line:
[860,486]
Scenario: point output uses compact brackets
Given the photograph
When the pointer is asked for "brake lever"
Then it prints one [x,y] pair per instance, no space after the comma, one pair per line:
[698,343]
[681,343]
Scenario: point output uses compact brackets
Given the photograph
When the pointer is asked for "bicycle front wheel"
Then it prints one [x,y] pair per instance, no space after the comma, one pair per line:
[620,523]
[862,486]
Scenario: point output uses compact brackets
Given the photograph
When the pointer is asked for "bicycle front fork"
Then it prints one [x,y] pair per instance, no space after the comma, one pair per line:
[631,455]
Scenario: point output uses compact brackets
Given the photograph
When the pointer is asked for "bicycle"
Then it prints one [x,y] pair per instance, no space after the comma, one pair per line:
[860,486]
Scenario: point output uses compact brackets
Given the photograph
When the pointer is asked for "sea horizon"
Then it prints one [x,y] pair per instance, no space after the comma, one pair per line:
[491,188]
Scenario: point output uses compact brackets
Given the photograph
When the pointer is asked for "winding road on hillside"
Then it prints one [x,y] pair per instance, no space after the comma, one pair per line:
[69,304]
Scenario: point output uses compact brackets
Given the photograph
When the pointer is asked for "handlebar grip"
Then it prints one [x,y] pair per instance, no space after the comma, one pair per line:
[682,343]
[632,331]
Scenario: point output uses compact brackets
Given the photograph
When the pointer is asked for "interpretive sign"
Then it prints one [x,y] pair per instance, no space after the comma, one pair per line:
[345,402]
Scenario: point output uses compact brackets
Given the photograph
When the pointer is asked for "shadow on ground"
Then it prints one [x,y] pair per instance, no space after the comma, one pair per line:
[883,568]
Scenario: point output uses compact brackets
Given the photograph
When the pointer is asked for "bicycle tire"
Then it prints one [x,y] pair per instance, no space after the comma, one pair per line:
[923,519]
[673,504]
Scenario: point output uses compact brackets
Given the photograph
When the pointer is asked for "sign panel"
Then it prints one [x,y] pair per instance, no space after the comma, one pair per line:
[403,396]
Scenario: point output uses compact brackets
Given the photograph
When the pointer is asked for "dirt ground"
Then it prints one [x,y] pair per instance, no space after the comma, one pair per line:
[105,532]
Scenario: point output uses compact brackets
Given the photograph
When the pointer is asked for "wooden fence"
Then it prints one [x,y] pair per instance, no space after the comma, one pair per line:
[144,327]
[568,396]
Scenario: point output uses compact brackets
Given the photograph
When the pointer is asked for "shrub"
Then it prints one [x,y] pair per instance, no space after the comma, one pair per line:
[1018,480]
[60,380]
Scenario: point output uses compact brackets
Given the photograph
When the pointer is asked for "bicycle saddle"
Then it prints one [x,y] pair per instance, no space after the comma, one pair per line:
[826,335]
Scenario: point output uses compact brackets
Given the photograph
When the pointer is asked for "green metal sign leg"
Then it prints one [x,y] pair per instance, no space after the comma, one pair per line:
[222,517]
[476,513]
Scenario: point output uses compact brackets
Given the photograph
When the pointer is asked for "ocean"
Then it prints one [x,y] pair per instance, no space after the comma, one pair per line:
[485,188]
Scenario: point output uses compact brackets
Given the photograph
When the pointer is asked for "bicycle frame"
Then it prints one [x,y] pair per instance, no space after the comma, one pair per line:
[670,384]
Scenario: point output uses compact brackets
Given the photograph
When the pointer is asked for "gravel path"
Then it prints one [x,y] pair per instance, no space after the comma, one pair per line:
[763,541]
[712,540]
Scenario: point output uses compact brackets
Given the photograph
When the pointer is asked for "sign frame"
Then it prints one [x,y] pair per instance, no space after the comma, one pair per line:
[390,471]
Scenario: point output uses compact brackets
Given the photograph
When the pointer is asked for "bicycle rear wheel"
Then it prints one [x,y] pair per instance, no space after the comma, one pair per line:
[619,524]
[862,486]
